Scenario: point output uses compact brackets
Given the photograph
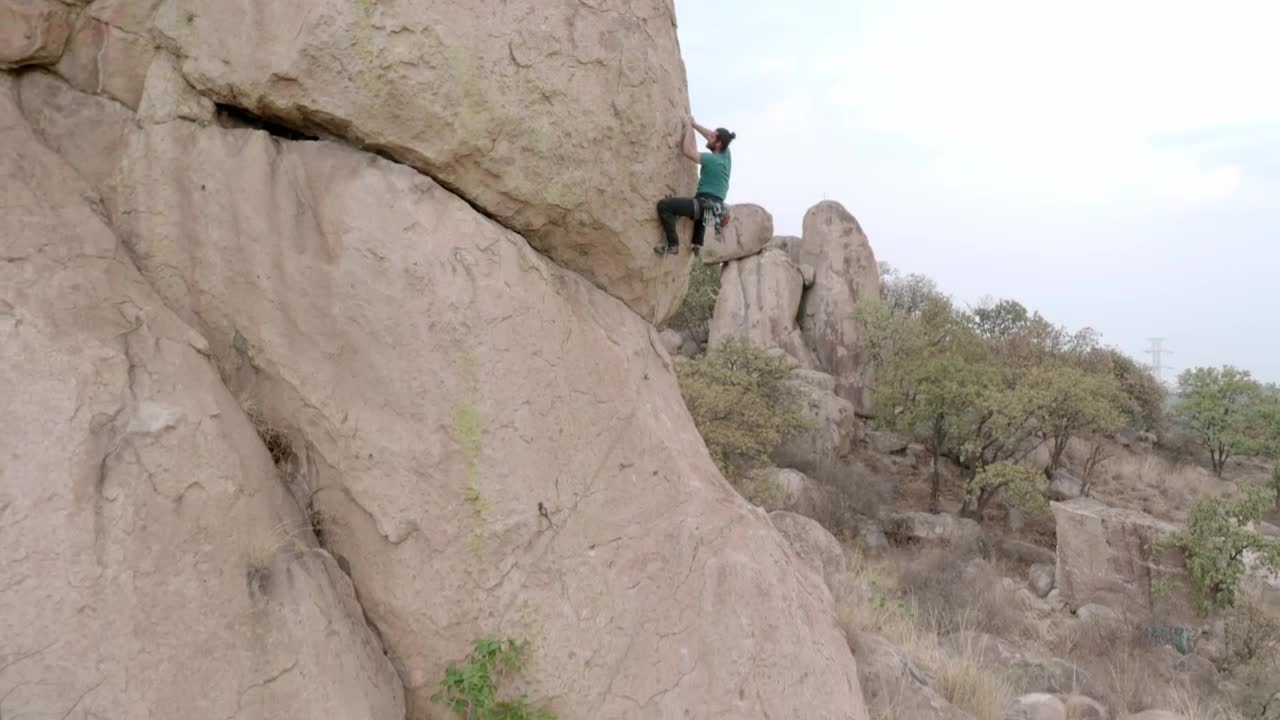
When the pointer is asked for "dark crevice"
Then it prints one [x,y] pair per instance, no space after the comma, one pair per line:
[231,116]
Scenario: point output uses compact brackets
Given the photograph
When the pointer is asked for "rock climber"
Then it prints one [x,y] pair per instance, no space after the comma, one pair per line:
[707,205]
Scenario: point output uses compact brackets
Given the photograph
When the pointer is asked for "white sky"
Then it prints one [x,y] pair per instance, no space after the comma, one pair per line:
[1113,164]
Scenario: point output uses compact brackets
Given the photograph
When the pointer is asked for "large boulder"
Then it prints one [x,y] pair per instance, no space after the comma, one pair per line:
[758,301]
[33,32]
[1041,579]
[1112,557]
[490,443]
[822,449]
[811,542]
[797,492]
[894,686]
[153,563]
[749,230]
[562,121]
[845,274]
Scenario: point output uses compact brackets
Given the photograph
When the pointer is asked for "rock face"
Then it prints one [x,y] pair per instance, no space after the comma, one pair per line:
[749,230]
[110,50]
[380,324]
[1041,579]
[823,449]
[1108,556]
[815,546]
[1064,486]
[759,298]
[844,274]
[153,563]
[564,123]
[798,492]
[894,686]
[33,32]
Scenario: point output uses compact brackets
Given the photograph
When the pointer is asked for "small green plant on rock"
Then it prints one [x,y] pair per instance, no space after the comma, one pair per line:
[1219,536]
[470,690]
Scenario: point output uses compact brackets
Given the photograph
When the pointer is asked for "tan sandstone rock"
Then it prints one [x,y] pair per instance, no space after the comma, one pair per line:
[562,121]
[822,450]
[845,274]
[442,384]
[110,50]
[1110,557]
[89,131]
[153,564]
[797,492]
[758,300]
[816,547]
[1037,706]
[749,230]
[33,32]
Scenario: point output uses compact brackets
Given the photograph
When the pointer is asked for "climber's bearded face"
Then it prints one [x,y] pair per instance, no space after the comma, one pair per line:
[713,145]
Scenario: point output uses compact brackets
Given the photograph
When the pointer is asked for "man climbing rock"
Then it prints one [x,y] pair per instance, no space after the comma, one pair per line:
[707,205]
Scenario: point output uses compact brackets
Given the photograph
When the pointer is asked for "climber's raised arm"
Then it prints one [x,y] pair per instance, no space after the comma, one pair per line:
[690,149]
[708,134]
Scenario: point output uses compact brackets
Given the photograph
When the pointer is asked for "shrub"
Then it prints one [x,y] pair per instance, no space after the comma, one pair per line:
[955,595]
[1219,535]
[471,689]
[742,404]
[694,315]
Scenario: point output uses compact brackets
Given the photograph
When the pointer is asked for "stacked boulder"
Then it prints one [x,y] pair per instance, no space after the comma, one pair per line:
[797,296]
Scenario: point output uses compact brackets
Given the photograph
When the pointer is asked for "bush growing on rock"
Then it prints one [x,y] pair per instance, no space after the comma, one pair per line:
[742,404]
[694,314]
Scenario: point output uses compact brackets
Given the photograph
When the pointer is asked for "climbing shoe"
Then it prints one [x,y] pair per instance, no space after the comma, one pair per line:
[664,249]
[697,251]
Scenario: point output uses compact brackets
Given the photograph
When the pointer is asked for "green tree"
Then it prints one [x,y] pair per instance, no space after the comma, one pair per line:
[1067,401]
[1144,396]
[931,381]
[1220,535]
[1021,486]
[1220,408]
[742,403]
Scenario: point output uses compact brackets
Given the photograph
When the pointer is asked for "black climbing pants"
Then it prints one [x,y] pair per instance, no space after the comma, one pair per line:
[672,208]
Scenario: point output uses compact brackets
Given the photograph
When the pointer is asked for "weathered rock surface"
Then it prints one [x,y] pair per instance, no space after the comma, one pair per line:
[799,493]
[89,132]
[110,49]
[1154,715]
[1041,579]
[152,563]
[381,324]
[1080,707]
[1110,557]
[1026,552]
[749,230]
[887,443]
[758,301]
[561,120]
[816,547]
[894,686]
[928,527]
[823,449]
[845,274]
[1037,706]
[1065,486]
[33,32]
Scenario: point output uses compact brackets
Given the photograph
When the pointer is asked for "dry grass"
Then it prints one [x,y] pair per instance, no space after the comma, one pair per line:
[870,599]
[958,594]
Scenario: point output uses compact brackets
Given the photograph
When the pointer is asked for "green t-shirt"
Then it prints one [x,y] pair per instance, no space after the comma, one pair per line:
[714,178]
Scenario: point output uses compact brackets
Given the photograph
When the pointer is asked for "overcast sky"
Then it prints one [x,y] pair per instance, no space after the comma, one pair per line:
[1110,163]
